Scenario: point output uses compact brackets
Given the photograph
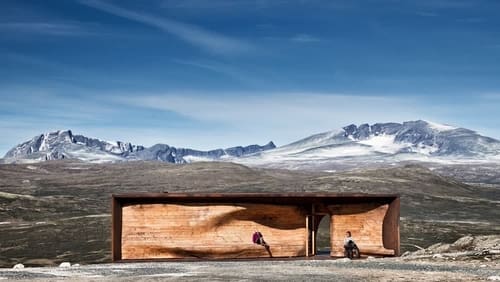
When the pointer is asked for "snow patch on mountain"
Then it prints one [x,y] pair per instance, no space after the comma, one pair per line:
[440,127]
[94,156]
[335,152]
[383,143]
[193,159]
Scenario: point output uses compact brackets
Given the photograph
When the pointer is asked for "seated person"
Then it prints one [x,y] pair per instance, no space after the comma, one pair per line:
[349,245]
[258,239]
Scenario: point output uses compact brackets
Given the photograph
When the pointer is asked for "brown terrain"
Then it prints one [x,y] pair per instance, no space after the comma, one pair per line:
[60,210]
[470,258]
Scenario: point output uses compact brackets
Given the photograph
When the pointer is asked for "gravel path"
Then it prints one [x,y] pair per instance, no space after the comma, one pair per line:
[388,269]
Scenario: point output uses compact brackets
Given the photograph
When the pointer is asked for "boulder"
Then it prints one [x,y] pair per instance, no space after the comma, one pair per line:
[65,264]
[463,244]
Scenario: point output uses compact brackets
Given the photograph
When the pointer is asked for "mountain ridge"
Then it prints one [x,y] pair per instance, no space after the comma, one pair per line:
[381,144]
[365,144]
[64,144]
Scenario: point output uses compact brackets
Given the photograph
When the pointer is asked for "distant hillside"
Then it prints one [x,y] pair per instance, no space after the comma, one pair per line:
[60,210]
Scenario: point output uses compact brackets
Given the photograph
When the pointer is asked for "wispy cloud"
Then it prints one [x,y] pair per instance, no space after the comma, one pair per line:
[204,5]
[46,28]
[207,40]
[223,69]
[223,6]
[271,106]
[208,120]
[26,112]
[284,117]
[29,111]
[232,6]
[305,38]
[287,117]
[52,106]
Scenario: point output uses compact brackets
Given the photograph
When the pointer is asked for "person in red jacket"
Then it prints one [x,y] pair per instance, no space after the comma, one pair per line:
[258,239]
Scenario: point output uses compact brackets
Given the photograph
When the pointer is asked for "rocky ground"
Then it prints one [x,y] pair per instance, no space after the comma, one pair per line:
[382,269]
[60,211]
[467,248]
[470,258]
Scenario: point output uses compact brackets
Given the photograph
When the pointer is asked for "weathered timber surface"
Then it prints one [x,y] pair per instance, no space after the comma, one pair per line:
[151,231]
[365,221]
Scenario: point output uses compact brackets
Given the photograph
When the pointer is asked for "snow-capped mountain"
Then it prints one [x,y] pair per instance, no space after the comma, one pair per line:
[409,137]
[63,144]
[349,147]
[379,143]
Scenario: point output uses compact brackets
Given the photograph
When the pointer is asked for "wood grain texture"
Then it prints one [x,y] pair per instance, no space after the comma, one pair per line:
[391,227]
[152,231]
[365,221]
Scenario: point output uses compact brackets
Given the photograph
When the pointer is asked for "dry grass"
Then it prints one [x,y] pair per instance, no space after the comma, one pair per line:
[59,211]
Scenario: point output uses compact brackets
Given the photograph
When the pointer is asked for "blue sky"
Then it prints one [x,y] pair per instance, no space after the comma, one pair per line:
[220,73]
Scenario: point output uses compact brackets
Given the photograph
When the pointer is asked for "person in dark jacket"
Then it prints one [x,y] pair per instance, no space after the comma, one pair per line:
[349,245]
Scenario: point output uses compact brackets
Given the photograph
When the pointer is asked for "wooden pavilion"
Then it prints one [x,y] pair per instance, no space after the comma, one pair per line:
[220,225]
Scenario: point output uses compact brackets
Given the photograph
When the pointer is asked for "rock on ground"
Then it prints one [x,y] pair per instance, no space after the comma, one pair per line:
[486,248]
[387,269]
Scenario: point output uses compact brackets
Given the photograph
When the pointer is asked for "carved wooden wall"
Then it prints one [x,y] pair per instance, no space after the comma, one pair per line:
[366,223]
[152,231]
[176,225]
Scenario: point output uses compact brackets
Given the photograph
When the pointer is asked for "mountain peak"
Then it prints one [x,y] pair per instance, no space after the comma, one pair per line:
[364,130]
[418,139]
[439,126]
[62,144]
[378,142]
[270,145]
